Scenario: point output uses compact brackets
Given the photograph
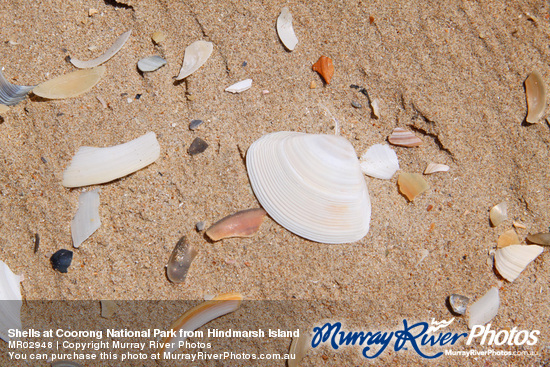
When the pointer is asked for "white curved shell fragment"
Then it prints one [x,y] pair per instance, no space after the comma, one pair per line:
[195,56]
[285,30]
[484,309]
[10,301]
[435,167]
[240,86]
[379,161]
[511,260]
[311,184]
[92,165]
[106,56]
[71,84]
[535,91]
[498,213]
[150,63]
[86,220]
[11,94]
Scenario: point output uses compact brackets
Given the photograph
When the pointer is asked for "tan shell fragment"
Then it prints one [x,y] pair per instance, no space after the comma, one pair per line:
[539,238]
[498,213]
[299,347]
[508,238]
[180,261]
[512,260]
[411,185]
[70,85]
[435,167]
[536,97]
[241,224]
[404,138]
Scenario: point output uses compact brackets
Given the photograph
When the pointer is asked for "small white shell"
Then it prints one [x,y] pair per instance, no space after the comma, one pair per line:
[106,56]
[92,165]
[240,86]
[436,167]
[498,214]
[86,220]
[150,63]
[311,184]
[484,309]
[195,56]
[375,106]
[10,312]
[379,161]
[511,260]
[285,30]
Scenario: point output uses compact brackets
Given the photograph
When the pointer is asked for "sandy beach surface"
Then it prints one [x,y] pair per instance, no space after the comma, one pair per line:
[453,73]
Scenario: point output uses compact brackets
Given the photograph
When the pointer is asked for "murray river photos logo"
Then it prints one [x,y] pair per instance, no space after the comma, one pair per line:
[418,337]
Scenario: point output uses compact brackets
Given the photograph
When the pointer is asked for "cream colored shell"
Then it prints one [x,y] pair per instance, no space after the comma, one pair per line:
[511,260]
[311,184]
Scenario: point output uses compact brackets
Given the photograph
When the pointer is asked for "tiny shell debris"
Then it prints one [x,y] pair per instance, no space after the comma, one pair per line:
[435,167]
[375,106]
[70,85]
[158,37]
[484,309]
[86,220]
[108,309]
[92,12]
[356,104]
[404,138]
[197,146]
[536,97]
[194,124]
[241,224]
[119,43]
[10,312]
[239,86]
[11,94]
[510,261]
[459,303]
[498,214]
[325,68]
[92,165]
[312,85]
[200,226]
[180,261]
[411,185]
[61,260]
[539,238]
[197,316]
[196,55]
[285,30]
[379,161]
[150,63]
[510,237]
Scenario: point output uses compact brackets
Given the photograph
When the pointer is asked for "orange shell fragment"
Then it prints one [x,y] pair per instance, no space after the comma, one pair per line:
[324,67]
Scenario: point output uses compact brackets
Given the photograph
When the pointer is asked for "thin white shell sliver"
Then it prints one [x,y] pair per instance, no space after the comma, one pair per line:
[484,309]
[196,54]
[285,30]
[239,86]
[106,56]
[10,301]
[86,220]
[92,165]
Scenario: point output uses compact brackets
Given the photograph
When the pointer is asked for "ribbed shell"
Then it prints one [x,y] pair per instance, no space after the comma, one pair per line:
[311,184]
[11,94]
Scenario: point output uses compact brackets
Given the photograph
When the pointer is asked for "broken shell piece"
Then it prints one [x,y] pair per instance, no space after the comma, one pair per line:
[459,303]
[10,301]
[197,146]
[536,97]
[498,213]
[11,94]
[241,224]
[411,184]
[92,165]
[158,37]
[108,309]
[240,86]
[151,63]
[70,85]
[198,316]
[404,138]
[106,56]
[484,309]
[539,238]
[298,348]
[325,68]
[518,225]
[379,161]
[436,167]
[196,54]
[180,261]
[285,30]
[508,238]
[510,261]
[375,106]
[86,220]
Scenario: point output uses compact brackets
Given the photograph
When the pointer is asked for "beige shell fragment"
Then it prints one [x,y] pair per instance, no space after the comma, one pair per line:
[411,184]
[404,138]
[180,261]
[435,167]
[510,261]
[285,30]
[196,54]
[484,309]
[108,308]
[10,312]
[498,213]
[539,238]
[241,224]
[106,56]
[299,347]
[70,85]
[510,237]
[536,97]
[4,108]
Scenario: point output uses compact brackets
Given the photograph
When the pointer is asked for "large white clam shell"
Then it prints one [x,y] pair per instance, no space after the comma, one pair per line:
[311,184]
[511,260]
